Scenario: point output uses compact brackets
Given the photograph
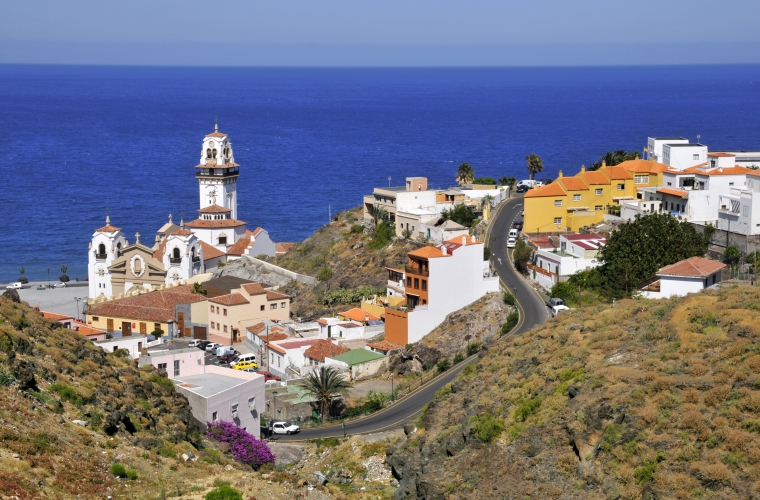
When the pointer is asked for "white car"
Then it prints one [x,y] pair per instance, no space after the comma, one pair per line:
[511,242]
[285,428]
[211,346]
[558,309]
[14,286]
[194,343]
[60,284]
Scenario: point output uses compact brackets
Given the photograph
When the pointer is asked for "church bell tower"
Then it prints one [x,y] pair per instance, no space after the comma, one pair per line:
[217,173]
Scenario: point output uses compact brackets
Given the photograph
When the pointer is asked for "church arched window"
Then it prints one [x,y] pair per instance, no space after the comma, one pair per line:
[102,250]
[213,153]
[208,153]
[176,257]
[118,249]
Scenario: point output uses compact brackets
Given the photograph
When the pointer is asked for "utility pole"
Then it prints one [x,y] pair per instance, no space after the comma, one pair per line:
[77,299]
[266,353]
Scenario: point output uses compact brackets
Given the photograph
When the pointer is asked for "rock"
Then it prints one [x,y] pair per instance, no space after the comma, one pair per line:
[12,295]
[80,422]
[228,468]
[16,456]
[302,482]
[393,482]
[573,391]
[319,478]
[266,476]
[408,429]
[191,455]
[185,457]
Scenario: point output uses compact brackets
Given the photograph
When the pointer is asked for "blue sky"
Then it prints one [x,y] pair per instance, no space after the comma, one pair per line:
[386,33]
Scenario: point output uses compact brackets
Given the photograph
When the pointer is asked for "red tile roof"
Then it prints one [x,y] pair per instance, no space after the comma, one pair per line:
[692,267]
[108,229]
[427,253]
[55,316]
[722,155]
[468,240]
[209,252]
[618,173]
[152,306]
[385,345]
[572,183]
[674,192]
[276,295]
[183,232]
[283,248]
[643,166]
[254,233]
[323,349]
[296,344]
[232,299]
[201,223]
[86,329]
[214,209]
[159,253]
[240,247]
[254,289]
[724,171]
[216,133]
[553,189]
[359,315]
[595,178]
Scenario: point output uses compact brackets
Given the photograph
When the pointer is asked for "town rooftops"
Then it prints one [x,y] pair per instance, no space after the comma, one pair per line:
[282,347]
[240,247]
[359,315]
[213,224]
[282,248]
[573,183]
[271,295]
[254,289]
[223,284]
[276,332]
[385,345]
[694,267]
[618,173]
[595,178]
[55,316]
[463,240]
[231,299]
[214,209]
[685,145]
[322,349]
[674,192]
[735,170]
[108,228]
[722,155]
[643,166]
[209,252]
[357,357]
[83,329]
[152,306]
[427,252]
[553,189]
[208,384]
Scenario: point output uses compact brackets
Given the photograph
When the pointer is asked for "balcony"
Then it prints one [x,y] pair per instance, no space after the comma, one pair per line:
[416,270]
[177,260]
[100,256]
[196,259]
[217,172]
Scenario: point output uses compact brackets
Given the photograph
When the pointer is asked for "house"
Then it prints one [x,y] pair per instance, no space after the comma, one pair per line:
[292,402]
[221,394]
[176,359]
[63,319]
[88,331]
[359,363]
[317,353]
[437,230]
[739,210]
[286,357]
[134,345]
[384,347]
[170,310]
[572,253]
[346,329]
[437,281]
[685,276]
[401,200]
[230,314]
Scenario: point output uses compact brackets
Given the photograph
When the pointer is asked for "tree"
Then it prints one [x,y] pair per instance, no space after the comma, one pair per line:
[22,271]
[521,255]
[486,200]
[198,289]
[612,158]
[157,333]
[325,383]
[731,256]
[565,291]
[535,164]
[508,181]
[484,181]
[640,247]
[461,214]
[325,274]
[465,174]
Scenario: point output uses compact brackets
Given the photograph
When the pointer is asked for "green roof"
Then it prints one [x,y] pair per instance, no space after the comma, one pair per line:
[357,357]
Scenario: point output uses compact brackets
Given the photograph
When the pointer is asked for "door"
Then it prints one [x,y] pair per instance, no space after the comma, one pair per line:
[143,329]
[109,325]
[199,332]
[126,329]
[180,324]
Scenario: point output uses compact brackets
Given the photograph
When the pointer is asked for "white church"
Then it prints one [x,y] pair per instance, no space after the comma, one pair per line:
[117,269]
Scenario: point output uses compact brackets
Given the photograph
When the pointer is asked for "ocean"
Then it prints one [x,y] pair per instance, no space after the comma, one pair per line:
[82,140]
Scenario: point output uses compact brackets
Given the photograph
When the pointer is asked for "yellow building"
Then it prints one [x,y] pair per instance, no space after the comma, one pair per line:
[569,203]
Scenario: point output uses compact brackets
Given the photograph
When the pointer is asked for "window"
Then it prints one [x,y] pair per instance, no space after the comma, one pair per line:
[162,366]
[416,283]
[95,318]
[557,203]
[262,308]
[409,282]
[641,179]
[282,305]
[271,357]
[212,325]
[222,240]
[424,284]
[558,220]
[730,183]
[745,211]
[212,308]
[176,368]
[695,157]
[620,187]
[272,306]
[598,207]
[224,311]
[278,361]
[214,417]
[218,326]
[225,328]
[217,309]
[234,410]
[598,192]
[576,197]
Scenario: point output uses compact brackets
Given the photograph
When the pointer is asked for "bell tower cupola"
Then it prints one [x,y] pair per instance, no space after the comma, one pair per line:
[217,173]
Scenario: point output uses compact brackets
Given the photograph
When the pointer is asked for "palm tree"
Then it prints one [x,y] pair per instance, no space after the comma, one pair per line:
[612,158]
[465,174]
[535,164]
[325,383]
[198,289]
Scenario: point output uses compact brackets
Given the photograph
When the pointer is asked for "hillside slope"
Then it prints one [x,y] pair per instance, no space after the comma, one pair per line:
[646,399]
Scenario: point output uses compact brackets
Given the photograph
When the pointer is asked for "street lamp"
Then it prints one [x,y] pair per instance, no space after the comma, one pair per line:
[392,388]
[48,277]
[77,299]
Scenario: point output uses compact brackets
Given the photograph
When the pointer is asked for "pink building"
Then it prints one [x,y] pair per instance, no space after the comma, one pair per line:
[177,360]
[226,395]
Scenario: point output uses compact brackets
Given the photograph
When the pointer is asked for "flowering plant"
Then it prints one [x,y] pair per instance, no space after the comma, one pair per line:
[243,446]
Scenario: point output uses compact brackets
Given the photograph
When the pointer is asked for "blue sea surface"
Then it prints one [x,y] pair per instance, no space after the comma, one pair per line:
[78,140]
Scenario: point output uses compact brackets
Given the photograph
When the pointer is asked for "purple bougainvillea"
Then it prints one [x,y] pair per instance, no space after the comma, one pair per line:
[243,446]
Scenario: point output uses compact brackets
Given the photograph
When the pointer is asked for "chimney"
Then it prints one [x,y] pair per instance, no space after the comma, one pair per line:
[443,249]
[560,174]
[464,240]
[583,168]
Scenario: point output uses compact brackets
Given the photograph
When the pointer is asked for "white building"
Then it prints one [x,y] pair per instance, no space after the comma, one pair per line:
[739,209]
[682,156]
[286,357]
[686,276]
[655,146]
[133,344]
[574,253]
[105,246]
[437,281]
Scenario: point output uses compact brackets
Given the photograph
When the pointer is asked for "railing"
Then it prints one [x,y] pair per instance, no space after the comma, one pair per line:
[100,255]
[177,260]
[196,259]
[417,271]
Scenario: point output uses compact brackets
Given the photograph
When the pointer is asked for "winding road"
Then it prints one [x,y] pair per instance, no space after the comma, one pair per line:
[532,312]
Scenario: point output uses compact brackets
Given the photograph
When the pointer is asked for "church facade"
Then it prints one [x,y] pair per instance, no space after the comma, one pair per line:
[117,269]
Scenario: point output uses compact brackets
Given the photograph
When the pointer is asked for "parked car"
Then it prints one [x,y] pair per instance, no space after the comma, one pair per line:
[14,286]
[23,280]
[194,343]
[546,181]
[202,344]
[60,284]
[554,302]
[558,309]
[244,365]
[522,188]
[211,346]
[224,349]
[269,377]
[243,358]
[40,287]
[228,358]
[518,224]
[285,428]
[511,242]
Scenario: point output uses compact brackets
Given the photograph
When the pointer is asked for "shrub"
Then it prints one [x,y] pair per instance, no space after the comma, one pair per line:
[224,492]
[243,446]
[443,391]
[161,381]
[458,357]
[67,393]
[484,181]
[486,428]
[132,474]
[508,298]
[118,470]
[6,378]
[324,274]
[527,408]
[512,319]
[443,365]
[357,229]
[474,347]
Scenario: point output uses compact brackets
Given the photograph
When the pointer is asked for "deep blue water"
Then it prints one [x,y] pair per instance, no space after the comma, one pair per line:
[80,139]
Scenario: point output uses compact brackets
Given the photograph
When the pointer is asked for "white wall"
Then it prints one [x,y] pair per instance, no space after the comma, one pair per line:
[672,285]
[190,363]
[100,284]
[133,344]
[655,145]
[262,245]
[681,157]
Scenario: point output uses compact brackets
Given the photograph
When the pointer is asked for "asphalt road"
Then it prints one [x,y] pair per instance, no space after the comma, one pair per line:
[533,311]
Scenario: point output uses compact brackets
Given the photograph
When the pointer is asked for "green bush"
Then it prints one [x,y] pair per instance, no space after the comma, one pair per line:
[168,452]
[527,408]
[458,357]
[443,365]
[118,470]
[484,181]
[67,393]
[357,229]
[162,381]
[121,353]
[443,391]
[508,298]
[474,347]
[6,378]
[486,428]
[132,474]
[224,492]
[325,274]
[512,319]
